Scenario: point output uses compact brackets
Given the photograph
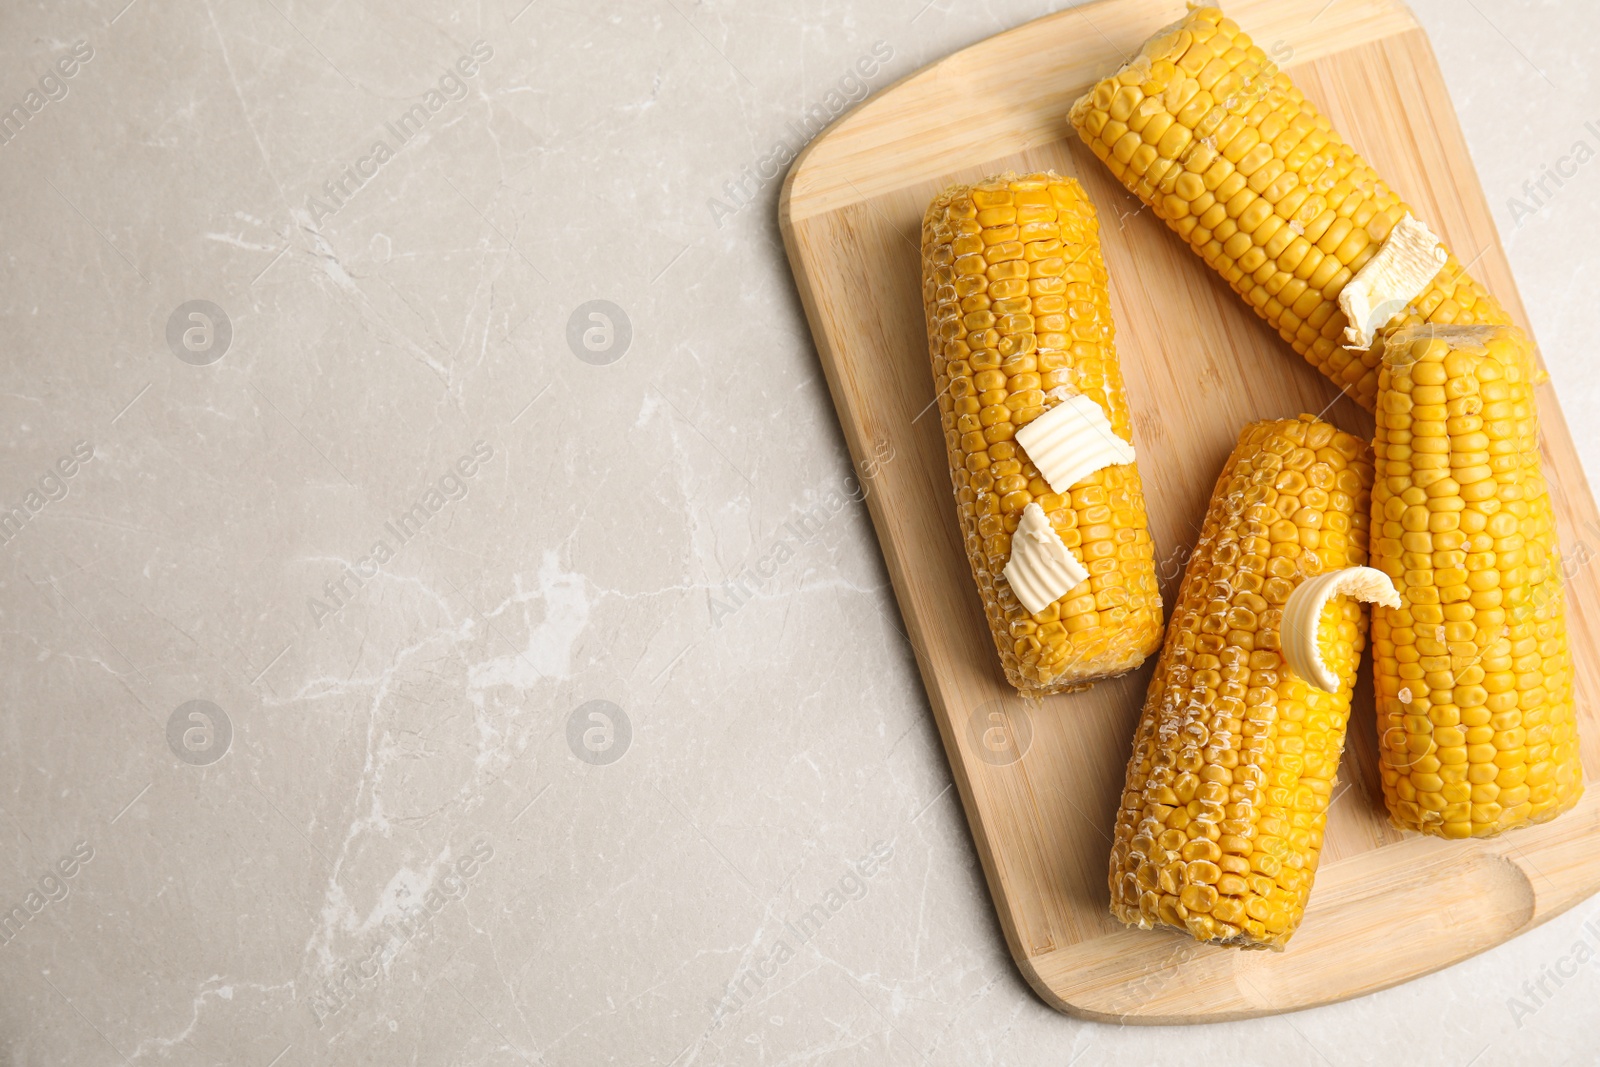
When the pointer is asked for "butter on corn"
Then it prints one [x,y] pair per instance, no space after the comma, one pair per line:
[1302,617]
[1071,441]
[1019,318]
[1472,671]
[1223,147]
[1220,824]
[1042,569]
[1410,258]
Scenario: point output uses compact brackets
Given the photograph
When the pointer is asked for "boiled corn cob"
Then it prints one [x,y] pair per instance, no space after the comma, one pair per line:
[1221,818]
[1019,328]
[1473,673]
[1206,130]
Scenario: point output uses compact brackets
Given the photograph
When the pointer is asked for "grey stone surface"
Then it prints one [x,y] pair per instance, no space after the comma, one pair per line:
[403,854]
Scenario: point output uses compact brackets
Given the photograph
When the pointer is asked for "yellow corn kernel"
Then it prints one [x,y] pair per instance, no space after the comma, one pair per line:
[1233,749]
[1495,696]
[1017,322]
[1274,157]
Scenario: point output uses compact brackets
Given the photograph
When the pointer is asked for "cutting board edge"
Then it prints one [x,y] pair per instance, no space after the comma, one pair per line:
[1494,856]
[1395,16]
[932,686]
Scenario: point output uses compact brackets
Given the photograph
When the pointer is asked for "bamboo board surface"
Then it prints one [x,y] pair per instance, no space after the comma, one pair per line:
[1040,782]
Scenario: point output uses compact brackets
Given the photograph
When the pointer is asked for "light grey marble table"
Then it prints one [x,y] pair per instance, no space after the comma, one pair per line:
[342,503]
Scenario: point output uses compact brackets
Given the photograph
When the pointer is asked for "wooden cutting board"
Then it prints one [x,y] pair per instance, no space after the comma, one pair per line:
[1040,781]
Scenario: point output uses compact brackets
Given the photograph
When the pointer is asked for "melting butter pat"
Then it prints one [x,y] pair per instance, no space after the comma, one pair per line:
[1071,441]
[1302,614]
[1411,257]
[1042,569]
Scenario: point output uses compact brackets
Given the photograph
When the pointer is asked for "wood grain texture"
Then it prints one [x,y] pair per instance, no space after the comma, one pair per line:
[1387,907]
